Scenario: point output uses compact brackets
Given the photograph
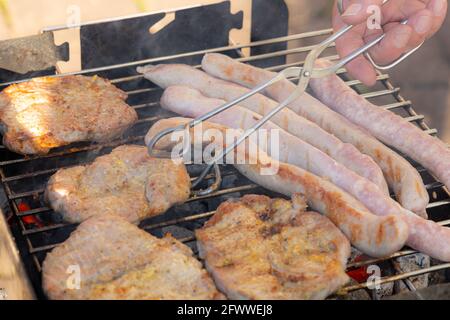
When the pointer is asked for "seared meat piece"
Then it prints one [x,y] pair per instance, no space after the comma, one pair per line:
[127,182]
[259,248]
[116,260]
[47,113]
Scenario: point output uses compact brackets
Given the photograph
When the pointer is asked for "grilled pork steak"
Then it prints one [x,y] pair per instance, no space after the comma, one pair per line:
[116,260]
[127,182]
[47,113]
[259,248]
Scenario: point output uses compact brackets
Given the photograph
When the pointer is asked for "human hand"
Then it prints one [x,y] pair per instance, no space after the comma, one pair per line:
[425,17]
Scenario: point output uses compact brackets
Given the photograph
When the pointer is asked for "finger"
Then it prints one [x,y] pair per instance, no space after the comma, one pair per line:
[425,16]
[399,10]
[357,11]
[394,44]
[439,10]
[422,23]
[359,68]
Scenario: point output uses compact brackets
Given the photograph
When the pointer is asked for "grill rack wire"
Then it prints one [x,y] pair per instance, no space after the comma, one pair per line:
[16,170]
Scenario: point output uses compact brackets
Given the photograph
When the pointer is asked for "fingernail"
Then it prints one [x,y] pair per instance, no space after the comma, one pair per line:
[353,10]
[401,38]
[438,7]
[423,24]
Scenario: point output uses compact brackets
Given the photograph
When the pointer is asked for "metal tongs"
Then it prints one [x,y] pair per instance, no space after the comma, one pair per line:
[305,73]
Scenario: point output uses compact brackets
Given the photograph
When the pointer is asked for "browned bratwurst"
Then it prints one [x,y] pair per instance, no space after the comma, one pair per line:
[399,173]
[343,153]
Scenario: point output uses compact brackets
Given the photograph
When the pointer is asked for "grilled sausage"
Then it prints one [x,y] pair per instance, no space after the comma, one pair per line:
[346,154]
[376,236]
[290,149]
[400,175]
[390,128]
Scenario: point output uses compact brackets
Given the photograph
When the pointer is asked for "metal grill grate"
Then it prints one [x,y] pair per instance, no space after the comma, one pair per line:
[24,178]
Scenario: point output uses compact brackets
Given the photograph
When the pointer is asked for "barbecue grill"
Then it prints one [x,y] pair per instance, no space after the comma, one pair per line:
[36,230]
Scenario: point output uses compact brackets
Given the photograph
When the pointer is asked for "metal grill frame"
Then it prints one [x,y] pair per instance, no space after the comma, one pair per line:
[387,90]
